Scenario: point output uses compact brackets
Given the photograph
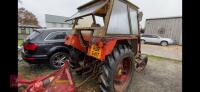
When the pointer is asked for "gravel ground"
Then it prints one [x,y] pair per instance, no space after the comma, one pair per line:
[160,75]
[171,51]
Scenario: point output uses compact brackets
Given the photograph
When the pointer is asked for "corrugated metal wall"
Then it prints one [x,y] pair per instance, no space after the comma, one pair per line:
[172,27]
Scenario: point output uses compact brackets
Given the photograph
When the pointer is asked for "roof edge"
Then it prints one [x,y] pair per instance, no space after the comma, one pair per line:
[88,3]
[171,17]
[56,15]
[131,3]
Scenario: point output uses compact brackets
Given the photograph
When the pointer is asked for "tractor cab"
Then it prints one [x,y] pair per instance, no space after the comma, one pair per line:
[105,42]
[99,21]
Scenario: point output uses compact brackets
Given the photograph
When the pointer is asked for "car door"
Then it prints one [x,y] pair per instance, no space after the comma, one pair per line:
[155,39]
[55,39]
[151,38]
[145,38]
[148,38]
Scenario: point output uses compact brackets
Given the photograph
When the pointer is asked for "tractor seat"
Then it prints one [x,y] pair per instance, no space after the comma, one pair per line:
[95,25]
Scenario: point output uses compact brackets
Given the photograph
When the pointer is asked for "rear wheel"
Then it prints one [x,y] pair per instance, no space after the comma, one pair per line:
[164,43]
[57,59]
[118,70]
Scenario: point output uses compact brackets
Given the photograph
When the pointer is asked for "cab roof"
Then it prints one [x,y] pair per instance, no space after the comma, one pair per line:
[94,1]
[91,7]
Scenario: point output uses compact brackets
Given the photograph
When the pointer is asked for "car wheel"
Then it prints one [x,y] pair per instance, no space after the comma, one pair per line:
[57,60]
[164,43]
[142,41]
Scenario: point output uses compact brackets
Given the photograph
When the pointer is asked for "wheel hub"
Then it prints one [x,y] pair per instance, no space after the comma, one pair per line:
[123,74]
[59,60]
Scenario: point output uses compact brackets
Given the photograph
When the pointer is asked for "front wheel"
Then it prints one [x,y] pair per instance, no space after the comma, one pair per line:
[57,59]
[118,70]
[142,41]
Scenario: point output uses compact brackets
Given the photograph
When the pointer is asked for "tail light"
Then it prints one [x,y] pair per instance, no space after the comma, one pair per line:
[30,59]
[30,46]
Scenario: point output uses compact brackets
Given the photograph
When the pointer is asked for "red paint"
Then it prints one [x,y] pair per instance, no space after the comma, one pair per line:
[107,44]
[73,40]
[108,47]
[110,43]
[122,78]
[13,81]
[37,85]
[29,59]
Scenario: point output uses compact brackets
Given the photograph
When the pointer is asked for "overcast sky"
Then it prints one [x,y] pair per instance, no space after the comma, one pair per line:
[150,8]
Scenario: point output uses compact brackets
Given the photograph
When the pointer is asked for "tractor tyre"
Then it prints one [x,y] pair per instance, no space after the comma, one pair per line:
[118,70]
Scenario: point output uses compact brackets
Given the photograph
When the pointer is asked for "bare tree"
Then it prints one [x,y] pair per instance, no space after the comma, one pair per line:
[26,18]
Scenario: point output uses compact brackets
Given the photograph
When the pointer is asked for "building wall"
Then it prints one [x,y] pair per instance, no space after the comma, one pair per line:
[23,32]
[86,22]
[172,28]
[57,25]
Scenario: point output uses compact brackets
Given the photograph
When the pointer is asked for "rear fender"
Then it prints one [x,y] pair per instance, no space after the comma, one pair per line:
[109,46]
[58,48]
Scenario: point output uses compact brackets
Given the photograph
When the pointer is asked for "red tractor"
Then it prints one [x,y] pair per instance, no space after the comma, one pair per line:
[105,42]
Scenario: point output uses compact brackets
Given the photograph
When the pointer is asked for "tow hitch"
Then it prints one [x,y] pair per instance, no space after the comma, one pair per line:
[140,62]
[58,81]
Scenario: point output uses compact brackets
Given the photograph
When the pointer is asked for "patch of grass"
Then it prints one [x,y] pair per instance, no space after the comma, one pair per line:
[158,58]
[33,71]
[20,42]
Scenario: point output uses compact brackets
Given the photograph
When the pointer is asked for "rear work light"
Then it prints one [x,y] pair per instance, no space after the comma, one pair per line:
[30,46]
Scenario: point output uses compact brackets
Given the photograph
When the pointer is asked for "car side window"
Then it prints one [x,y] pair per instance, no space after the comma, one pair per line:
[146,36]
[154,36]
[56,36]
[150,36]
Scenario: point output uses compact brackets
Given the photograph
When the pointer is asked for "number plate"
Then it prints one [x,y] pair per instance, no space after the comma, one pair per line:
[95,51]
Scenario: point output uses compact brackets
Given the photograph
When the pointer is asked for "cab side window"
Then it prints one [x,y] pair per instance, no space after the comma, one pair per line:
[118,23]
[134,21]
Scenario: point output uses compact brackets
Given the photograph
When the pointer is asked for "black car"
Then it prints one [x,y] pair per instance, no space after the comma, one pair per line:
[46,46]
